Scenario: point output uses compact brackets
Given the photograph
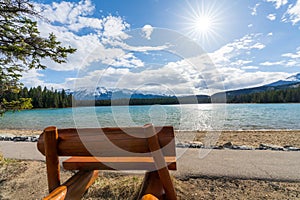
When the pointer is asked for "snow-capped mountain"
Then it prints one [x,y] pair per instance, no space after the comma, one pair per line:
[102,93]
[288,81]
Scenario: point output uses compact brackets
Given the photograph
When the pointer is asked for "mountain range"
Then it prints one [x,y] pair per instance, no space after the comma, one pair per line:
[102,93]
[289,82]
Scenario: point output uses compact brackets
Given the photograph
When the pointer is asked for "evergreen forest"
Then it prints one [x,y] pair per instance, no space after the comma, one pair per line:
[41,98]
[49,98]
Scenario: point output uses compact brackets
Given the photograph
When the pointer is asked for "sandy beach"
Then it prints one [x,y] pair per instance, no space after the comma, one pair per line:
[20,132]
[255,137]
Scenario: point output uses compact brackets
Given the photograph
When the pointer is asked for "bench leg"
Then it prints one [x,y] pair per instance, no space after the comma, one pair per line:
[52,161]
[152,185]
[75,187]
[162,171]
[149,197]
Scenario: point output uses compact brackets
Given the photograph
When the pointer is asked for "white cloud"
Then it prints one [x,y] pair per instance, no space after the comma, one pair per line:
[292,55]
[270,34]
[268,63]
[104,77]
[64,12]
[126,60]
[182,77]
[83,8]
[123,45]
[230,64]
[167,77]
[32,78]
[239,78]
[254,9]
[76,16]
[178,78]
[241,62]
[224,77]
[258,46]
[95,46]
[292,63]
[147,29]
[104,43]
[250,25]
[228,53]
[293,13]
[56,12]
[271,17]
[290,60]
[114,27]
[249,67]
[86,22]
[104,46]
[278,3]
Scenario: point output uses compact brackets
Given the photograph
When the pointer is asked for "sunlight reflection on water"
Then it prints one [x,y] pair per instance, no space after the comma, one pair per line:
[182,117]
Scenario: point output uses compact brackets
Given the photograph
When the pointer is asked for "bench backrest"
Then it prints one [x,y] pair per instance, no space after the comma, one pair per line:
[110,142]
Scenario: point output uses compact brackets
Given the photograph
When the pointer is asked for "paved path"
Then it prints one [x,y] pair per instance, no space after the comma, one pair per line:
[269,165]
[254,164]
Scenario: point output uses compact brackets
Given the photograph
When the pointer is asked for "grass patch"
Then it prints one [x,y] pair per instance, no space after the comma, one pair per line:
[115,186]
[121,186]
[10,168]
[6,161]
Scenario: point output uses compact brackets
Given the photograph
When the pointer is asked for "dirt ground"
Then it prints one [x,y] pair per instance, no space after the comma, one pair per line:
[27,180]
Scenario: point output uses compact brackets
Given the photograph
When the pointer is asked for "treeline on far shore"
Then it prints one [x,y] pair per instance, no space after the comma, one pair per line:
[288,95]
[41,98]
[49,98]
[150,101]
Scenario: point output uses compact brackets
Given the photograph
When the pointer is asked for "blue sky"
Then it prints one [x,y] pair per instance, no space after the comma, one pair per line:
[180,46]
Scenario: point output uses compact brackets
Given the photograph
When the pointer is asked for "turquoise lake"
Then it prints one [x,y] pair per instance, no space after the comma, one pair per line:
[182,117]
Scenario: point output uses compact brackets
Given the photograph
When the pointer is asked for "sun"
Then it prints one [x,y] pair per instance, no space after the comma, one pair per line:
[202,21]
[203,24]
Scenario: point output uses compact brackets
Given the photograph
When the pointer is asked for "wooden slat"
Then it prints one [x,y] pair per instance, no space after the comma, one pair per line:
[103,142]
[115,163]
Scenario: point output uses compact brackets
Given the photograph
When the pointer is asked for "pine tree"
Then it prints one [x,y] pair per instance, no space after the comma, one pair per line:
[22,47]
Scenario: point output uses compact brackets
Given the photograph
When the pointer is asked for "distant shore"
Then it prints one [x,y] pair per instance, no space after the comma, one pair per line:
[244,137]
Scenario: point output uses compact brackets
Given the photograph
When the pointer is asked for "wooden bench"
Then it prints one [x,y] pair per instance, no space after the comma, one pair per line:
[91,149]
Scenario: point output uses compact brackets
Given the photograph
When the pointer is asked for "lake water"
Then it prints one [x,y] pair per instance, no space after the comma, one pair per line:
[182,117]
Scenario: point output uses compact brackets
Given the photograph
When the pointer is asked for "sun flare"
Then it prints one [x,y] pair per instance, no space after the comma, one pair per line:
[203,24]
[203,21]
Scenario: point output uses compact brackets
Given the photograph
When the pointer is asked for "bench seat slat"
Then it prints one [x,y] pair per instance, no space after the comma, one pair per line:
[115,163]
